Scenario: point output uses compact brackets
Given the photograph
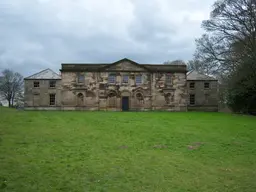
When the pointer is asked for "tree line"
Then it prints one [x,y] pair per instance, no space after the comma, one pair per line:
[227,51]
[11,88]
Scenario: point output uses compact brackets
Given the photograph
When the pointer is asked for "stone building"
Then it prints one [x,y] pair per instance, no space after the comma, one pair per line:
[202,92]
[120,86]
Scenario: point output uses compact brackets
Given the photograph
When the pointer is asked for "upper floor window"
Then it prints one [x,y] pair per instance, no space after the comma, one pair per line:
[111,79]
[206,85]
[52,84]
[125,79]
[80,78]
[192,85]
[168,78]
[36,84]
[138,79]
[52,99]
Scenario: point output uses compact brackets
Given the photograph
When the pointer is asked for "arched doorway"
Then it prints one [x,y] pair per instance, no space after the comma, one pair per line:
[80,100]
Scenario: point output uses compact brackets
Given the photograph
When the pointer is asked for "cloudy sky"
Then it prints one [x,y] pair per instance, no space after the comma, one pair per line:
[37,34]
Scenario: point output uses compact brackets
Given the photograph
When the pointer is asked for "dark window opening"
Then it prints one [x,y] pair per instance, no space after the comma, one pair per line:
[192,85]
[192,99]
[52,84]
[52,99]
[206,85]
[36,84]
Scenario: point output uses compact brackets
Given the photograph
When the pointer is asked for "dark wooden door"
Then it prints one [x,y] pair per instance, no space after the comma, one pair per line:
[125,103]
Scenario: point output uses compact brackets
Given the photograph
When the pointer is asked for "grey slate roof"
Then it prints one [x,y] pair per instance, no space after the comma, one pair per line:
[102,66]
[45,74]
[194,75]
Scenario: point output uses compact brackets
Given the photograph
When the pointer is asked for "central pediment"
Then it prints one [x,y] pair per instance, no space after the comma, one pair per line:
[125,65]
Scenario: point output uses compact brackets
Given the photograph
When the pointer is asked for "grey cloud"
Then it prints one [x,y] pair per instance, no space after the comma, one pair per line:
[37,34]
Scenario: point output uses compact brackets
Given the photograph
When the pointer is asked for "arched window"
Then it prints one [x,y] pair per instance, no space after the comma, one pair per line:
[80,99]
[139,98]
[112,99]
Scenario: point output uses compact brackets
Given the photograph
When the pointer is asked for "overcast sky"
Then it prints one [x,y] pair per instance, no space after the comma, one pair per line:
[39,34]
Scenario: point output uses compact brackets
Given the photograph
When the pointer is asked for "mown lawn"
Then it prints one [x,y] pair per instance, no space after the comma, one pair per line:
[115,152]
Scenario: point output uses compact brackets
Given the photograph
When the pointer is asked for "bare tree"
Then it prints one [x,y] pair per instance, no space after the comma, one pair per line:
[231,35]
[175,62]
[228,49]
[11,86]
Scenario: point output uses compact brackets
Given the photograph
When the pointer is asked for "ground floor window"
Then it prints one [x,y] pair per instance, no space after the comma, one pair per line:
[112,100]
[192,99]
[52,99]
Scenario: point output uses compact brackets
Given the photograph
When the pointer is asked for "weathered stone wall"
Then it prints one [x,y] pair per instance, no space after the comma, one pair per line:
[35,97]
[171,97]
[98,94]
[205,99]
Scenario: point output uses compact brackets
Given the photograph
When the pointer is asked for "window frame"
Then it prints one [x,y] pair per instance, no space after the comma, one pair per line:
[50,99]
[123,79]
[168,78]
[138,83]
[194,99]
[50,83]
[207,83]
[112,79]
[192,83]
[36,82]
[79,77]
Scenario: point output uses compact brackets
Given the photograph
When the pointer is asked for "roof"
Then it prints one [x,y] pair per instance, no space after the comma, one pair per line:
[45,74]
[103,66]
[195,75]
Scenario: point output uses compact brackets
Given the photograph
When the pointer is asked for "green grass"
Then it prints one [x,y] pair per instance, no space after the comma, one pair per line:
[115,152]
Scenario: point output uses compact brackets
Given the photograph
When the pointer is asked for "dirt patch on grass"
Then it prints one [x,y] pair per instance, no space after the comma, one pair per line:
[195,145]
[160,146]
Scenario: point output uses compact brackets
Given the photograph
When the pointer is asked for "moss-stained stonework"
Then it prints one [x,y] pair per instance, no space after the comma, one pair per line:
[99,94]
[87,87]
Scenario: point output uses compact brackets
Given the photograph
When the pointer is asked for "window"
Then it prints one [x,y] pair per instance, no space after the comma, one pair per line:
[36,84]
[111,79]
[80,99]
[192,99]
[192,85]
[138,79]
[168,78]
[125,79]
[206,85]
[52,99]
[80,78]
[52,84]
[112,100]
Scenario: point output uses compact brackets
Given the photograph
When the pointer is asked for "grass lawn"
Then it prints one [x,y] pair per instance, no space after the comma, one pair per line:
[116,152]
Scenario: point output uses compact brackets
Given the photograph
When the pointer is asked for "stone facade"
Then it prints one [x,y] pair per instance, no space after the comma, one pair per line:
[39,97]
[204,89]
[134,87]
